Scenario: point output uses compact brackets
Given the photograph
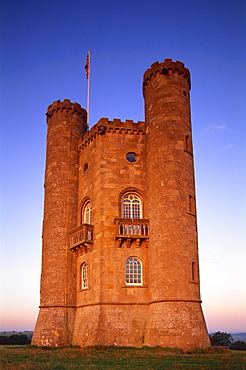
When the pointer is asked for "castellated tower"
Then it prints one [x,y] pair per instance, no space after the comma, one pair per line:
[120,255]
[175,315]
[66,125]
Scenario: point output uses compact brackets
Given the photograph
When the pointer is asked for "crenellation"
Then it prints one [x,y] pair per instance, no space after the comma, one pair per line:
[66,105]
[164,68]
[106,126]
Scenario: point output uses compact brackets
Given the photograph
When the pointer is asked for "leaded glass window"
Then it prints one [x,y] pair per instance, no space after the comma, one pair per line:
[133,271]
[84,276]
[87,213]
[131,206]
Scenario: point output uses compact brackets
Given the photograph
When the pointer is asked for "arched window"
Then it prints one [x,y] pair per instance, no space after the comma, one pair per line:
[87,213]
[131,206]
[84,276]
[133,271]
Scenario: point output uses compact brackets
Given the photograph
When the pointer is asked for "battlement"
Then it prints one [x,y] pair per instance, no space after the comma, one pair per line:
[116,126]
[166,68]
[66,105]
[117,123]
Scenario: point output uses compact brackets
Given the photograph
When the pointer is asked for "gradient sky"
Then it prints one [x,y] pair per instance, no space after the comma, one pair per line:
[43,50]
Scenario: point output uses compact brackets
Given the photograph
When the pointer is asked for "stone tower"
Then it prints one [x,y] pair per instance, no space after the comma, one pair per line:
[66,125]
[175,314]
[120,254]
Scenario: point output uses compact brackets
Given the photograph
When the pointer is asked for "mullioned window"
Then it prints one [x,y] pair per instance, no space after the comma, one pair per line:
[133,271]
[84,276]
[131,206]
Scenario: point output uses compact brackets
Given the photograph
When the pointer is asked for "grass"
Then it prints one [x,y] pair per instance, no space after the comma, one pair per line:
[105,358]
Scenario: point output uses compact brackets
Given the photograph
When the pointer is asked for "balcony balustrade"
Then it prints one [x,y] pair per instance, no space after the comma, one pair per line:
[130,230]
[81,239]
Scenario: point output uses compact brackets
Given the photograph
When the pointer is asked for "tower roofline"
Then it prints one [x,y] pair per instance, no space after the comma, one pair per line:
[116,125]
[65,105]
[165,68]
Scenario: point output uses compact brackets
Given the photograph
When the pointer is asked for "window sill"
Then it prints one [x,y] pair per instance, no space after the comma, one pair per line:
[135,286]
[83,290]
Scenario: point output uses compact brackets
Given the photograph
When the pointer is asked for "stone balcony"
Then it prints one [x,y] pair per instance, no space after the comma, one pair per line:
[81,239]
[132,231]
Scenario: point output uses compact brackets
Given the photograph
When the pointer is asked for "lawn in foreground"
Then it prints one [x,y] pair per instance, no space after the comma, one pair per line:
[105,358]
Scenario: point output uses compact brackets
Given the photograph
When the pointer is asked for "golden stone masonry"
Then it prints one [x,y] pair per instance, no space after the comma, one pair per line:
[120,255]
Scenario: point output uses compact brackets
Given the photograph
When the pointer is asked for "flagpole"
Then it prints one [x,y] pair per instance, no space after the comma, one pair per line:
[88,88]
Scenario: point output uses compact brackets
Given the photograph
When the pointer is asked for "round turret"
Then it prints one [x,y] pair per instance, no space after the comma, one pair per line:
[66,126]
[173,251]
[67,108]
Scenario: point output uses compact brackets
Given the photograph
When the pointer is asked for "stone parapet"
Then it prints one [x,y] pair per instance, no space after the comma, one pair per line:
[104,125]
[166,68]
[67,105]
[67,108]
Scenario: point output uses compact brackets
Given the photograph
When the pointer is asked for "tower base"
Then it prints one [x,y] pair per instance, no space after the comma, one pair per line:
[107,324]
[174,324]
[177,324]
[54,327]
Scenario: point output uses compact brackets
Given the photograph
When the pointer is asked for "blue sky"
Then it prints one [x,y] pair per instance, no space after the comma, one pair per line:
[43,50]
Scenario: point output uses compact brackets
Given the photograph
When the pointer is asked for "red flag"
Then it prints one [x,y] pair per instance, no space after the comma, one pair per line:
[87,66]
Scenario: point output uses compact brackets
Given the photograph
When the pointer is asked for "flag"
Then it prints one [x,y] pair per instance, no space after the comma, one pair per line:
[87,66]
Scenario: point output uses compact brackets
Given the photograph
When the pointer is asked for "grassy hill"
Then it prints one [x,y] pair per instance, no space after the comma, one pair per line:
[113,358]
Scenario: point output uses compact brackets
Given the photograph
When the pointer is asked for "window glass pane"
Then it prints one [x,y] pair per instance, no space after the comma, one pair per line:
[133,271]
[126,207]
[131,157]
[84,276]
[87,213]
[131,206]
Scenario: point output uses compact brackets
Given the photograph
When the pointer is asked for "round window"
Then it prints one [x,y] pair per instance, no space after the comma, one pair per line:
[131,157]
